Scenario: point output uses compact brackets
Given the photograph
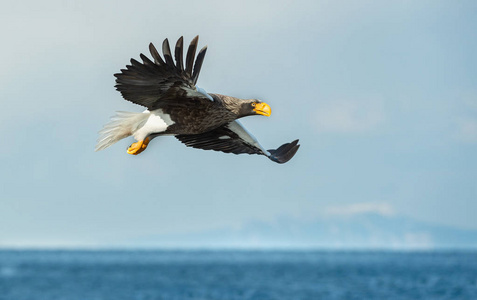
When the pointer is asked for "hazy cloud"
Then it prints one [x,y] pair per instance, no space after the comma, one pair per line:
[418,240]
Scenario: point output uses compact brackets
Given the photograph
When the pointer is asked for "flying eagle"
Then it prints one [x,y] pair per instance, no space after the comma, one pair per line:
[176,106]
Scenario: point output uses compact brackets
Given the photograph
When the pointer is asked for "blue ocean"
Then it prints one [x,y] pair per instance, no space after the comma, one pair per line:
[231,275]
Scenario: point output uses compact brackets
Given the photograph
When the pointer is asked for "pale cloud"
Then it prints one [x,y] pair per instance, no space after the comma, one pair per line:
[411,240]
[418,240]
[381,208]
[349,116]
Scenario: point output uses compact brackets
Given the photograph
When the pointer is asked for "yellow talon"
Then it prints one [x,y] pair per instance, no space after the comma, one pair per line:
[138,147]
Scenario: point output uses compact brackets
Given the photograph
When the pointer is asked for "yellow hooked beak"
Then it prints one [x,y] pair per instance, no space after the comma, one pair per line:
[263,109]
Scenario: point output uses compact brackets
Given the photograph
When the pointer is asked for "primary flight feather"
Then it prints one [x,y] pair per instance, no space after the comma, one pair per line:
[176,106]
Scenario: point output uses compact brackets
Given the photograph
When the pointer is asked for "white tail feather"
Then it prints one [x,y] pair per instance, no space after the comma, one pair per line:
[122,125]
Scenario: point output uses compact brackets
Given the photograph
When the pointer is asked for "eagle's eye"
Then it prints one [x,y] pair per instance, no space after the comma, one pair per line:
[253,104]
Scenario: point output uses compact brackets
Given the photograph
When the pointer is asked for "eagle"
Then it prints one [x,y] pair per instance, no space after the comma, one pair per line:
[177,106]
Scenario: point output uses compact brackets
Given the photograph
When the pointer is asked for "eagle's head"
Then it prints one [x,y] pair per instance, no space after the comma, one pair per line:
[255,107]
[251,107]
[244,107]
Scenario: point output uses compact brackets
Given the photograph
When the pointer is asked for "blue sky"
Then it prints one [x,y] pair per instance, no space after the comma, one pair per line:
[383,96]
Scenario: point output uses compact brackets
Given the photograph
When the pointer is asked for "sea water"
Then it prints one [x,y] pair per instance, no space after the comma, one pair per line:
[230,275]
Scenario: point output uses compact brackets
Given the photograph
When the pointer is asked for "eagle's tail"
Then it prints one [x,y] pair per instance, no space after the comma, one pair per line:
[122,125]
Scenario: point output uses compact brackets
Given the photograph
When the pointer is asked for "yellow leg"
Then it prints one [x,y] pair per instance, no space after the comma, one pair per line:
[138,147]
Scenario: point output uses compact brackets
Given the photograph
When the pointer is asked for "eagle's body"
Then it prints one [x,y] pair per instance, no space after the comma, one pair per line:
[175,106]
[198,118]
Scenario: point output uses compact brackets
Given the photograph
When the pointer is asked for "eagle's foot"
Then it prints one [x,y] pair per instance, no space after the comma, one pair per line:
[138,147]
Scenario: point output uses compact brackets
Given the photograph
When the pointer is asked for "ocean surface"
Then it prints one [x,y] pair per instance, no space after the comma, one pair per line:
[230,275]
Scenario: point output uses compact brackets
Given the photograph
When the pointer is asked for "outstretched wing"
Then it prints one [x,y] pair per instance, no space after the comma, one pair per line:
[163,82]
[234,138]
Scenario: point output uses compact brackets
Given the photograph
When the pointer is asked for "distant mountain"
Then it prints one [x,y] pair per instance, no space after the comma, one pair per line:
[362,231]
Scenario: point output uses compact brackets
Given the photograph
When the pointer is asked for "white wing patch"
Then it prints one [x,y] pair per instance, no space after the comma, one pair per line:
[236,127]
[203,92]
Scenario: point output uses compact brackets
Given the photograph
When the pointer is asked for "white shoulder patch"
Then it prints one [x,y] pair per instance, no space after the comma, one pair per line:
[236,127]
[203,92]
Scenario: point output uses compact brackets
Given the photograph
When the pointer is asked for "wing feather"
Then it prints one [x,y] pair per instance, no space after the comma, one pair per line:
[166,51]
[179,52]
[220,139]
[190,56]
[162,82]
[233,138]
[157,58]
[198,64]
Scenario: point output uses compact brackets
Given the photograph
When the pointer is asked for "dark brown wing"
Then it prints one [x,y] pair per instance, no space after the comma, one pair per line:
[233,138]
[163,82]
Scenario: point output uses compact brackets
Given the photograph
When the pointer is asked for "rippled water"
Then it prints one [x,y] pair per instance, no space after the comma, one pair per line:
[223,275]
